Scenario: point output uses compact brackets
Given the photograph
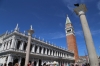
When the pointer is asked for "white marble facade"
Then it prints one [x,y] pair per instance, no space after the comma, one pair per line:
[13,48]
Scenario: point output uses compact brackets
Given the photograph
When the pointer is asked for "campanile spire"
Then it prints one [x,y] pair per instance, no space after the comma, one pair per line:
[71,39]
[68,20]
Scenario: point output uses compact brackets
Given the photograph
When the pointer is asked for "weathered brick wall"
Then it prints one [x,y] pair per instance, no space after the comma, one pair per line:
[71,43]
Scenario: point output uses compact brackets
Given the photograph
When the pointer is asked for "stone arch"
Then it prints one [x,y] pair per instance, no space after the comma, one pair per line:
[15,61]
[22,61]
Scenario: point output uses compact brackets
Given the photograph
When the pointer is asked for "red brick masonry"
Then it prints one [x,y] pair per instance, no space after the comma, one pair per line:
[71,43]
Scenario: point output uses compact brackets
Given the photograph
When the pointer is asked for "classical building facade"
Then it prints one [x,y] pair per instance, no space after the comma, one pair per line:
[71,39]
[13,49]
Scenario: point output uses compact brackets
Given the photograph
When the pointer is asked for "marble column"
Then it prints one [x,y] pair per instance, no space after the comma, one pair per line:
[42,50]
[13,42]
[33,48]
[2,46]
[80,11]
[42,61]
[10,59]
[46,51]
[30,32]
[38,48]
[37,63]
[19,62]
[57,53]
[8,44]
[15,45]
[22,45]
[52,52]
[49,52]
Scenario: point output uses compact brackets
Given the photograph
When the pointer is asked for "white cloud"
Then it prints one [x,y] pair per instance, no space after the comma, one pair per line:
[79,33]
[95,32]
[57,35]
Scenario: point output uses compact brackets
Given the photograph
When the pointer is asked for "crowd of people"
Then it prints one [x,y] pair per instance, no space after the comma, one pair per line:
[32,64]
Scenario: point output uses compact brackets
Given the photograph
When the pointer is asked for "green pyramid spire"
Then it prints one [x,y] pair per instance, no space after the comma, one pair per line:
[68,20]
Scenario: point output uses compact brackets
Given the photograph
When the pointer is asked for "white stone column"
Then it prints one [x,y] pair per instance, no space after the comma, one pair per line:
[10,59]
[61,54]
[22,45]
[80,10]
[2,46]
[52,52]
[37,63]
[8,45]
[46,51]
[33,48]
[67,64]
[19,62]
[38,48]
[15,45]
[42,50]
[13,42]
[49,52]
[30,32]
[42,61]
[57,53]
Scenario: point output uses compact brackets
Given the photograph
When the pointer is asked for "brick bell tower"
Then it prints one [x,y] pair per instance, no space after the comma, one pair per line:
[71,40]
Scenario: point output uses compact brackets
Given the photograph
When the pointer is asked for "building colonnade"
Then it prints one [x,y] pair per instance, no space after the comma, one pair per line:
[35,48]
[37,61]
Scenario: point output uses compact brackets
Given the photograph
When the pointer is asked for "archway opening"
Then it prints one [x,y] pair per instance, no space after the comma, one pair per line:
[35,63]
[22,61]
[40,62]
[15,61]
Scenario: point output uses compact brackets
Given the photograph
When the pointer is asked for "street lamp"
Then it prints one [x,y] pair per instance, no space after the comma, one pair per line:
[30,32]
[80,11]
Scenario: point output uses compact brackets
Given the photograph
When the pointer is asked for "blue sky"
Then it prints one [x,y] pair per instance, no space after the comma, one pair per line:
[48,18]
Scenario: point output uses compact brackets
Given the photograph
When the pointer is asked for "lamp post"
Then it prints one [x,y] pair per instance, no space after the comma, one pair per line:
[30,32]
[80,11]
